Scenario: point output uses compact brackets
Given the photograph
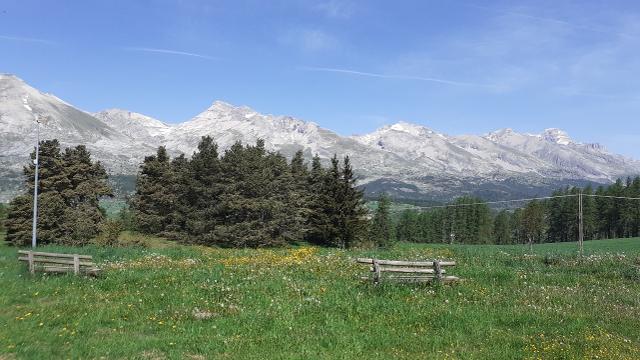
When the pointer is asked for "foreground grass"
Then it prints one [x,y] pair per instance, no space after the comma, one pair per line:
[192,302]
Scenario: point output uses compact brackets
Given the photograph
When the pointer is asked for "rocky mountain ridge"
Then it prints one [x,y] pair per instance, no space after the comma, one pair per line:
[408,160]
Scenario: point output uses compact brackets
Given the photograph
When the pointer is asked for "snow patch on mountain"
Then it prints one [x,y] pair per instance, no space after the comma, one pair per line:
[402,156]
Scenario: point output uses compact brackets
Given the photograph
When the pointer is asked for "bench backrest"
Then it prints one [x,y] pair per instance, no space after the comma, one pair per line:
[64,261]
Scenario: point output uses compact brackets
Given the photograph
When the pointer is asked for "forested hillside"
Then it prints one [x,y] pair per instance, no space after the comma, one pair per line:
[609,212]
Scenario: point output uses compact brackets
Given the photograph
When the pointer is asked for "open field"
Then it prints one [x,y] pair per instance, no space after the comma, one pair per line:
[180,302]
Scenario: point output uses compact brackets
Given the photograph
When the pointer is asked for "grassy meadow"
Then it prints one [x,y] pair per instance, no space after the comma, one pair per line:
[177,302]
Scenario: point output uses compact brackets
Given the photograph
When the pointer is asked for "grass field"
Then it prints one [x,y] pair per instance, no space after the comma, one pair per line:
[180,302]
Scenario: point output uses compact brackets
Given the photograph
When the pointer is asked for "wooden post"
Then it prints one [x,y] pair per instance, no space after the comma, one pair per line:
[376,272]
[580,225]
[438,268]
[76,264]
[32,267]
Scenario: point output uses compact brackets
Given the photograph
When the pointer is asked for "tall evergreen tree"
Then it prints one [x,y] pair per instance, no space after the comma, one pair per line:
[502,228]
[381,230]
[352,213]
[69,189]
[534,222]
[154,199]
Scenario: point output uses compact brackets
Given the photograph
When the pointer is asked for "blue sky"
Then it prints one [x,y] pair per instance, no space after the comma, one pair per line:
[352,66]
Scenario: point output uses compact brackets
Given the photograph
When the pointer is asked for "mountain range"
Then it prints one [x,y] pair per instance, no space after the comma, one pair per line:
[407,160]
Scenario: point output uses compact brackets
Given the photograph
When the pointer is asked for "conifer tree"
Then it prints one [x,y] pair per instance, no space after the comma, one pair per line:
[3,216]
[502,228]
[352,215]
[206,188]
[69,189]
[534,222]
[381,230]
[322,204]
[154,198]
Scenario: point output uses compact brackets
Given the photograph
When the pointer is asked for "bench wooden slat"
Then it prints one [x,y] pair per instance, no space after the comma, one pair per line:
[54,269]
[36,253]
[406,270]
[445,279]
[405,263]
[55,261]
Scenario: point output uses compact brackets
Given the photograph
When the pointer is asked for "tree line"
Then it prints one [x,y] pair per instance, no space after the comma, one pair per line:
[245,197]
[471,221]
[250,197]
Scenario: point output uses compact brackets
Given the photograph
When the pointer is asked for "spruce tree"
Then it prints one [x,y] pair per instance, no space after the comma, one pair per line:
[502,228]
[154,199]
[69,189]
[206,188]
[322,204]
[381,229]
[352,215]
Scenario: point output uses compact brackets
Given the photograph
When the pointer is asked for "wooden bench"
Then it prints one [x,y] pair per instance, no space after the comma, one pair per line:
[408,271]
[58,263]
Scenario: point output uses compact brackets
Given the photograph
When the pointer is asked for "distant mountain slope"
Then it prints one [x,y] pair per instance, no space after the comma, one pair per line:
[405,159]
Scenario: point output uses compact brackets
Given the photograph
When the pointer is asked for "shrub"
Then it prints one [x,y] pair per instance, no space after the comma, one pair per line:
[109,232]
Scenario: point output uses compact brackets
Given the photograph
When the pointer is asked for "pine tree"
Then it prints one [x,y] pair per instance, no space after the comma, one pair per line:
[322,228]
[381,230]
[69,189]
[3,216]
[300,195]
[154,199]
[352,213]
[206,188]
[502,228]
[534,222]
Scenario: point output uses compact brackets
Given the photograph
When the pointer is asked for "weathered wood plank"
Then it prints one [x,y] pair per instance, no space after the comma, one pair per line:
[36,253]
[405,270]
[56,261]
[76,264]
[31,264]
[55,269]
[405,263]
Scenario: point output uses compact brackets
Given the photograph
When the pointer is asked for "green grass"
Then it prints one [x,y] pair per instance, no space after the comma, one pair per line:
[180,302]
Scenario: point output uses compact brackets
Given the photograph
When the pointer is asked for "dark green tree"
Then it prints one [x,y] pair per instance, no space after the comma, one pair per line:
[154,200]
[69,189]
[381,229]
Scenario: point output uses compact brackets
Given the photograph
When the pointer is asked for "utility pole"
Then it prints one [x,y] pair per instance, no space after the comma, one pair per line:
[34,229]
[580,225]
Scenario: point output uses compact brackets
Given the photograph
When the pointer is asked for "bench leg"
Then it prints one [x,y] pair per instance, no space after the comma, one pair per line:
[76,264]
[32,267]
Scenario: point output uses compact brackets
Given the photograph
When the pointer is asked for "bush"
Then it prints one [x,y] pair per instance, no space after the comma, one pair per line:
[109,232]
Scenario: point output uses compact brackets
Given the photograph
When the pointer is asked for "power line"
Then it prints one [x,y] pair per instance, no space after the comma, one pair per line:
[514,200]
[612,197]
[491,202]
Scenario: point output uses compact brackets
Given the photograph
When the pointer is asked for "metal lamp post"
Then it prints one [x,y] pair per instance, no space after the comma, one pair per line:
[35,183]
[35,187]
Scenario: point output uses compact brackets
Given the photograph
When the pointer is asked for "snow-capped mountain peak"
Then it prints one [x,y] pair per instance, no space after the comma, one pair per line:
[557,136]
[403,155]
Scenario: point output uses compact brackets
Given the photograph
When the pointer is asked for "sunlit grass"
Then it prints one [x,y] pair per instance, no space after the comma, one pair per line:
[178,302]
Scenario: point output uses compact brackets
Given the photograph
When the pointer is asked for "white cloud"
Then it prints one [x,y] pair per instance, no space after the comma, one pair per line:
[27,39]
[391,76]
[171,52]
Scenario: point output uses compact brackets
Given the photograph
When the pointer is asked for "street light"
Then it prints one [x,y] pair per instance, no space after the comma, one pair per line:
[34,229]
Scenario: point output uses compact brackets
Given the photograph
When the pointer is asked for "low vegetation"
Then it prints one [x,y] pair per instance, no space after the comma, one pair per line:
[179,302]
